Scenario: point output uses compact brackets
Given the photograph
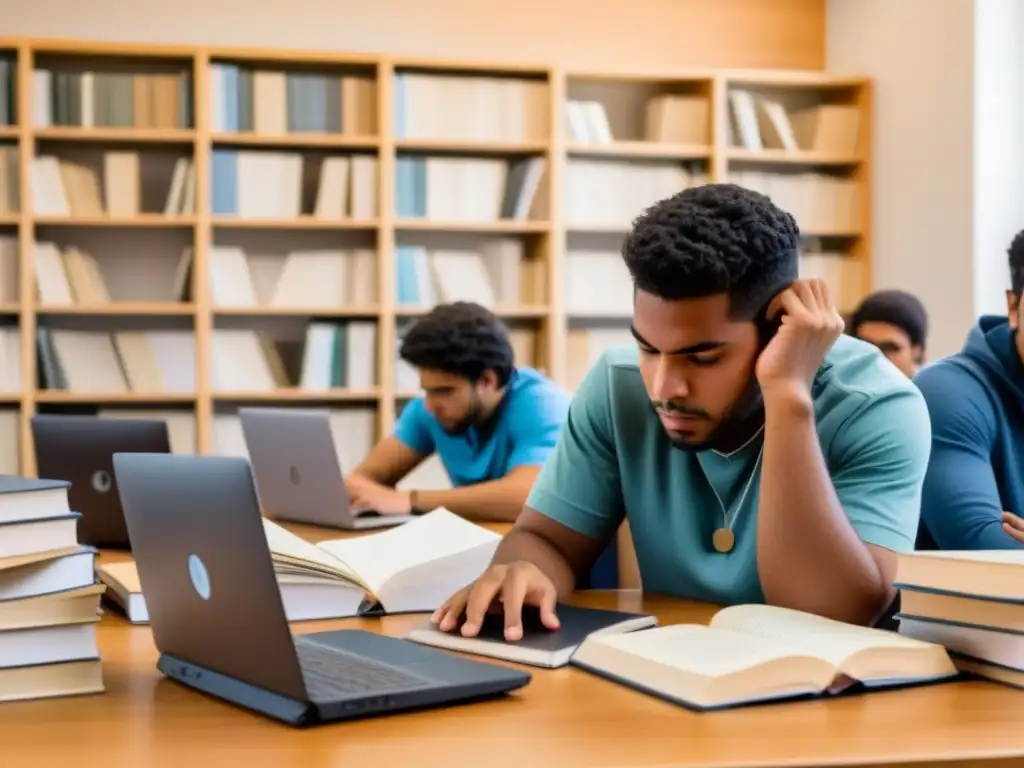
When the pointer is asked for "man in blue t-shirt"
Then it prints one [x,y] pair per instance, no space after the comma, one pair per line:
[758,454]
[492,425]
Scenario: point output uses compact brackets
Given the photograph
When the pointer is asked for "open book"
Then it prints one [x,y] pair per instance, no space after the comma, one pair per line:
[412,568]
[756,653]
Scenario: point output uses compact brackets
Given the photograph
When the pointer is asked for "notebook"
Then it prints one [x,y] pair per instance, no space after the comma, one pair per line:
[756,653]
[539,646]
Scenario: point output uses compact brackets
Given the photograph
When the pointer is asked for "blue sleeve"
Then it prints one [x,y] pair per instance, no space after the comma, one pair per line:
[413,427]
[535,422]
[579,485]
[961,507]
[880,459]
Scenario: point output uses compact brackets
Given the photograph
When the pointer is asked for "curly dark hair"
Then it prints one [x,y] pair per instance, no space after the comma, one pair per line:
[1016,254]
[463,339]
[711,239]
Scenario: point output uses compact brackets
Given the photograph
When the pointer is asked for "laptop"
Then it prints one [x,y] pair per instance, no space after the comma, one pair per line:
[79,449]
[297,471]
[219,624]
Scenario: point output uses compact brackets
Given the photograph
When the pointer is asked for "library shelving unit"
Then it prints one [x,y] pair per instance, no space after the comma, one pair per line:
[186,230]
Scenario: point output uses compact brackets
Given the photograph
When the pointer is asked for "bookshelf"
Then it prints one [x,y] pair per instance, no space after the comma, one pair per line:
[186,230]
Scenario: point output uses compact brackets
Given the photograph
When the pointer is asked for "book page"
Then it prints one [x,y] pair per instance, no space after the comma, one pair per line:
[699,649]
[808,634]
[379,556]
[285,545]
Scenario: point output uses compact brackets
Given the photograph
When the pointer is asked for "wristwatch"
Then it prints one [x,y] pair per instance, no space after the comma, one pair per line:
[414,507]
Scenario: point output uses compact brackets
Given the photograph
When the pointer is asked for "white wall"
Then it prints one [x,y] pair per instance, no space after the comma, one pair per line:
[949,169]
[998,150]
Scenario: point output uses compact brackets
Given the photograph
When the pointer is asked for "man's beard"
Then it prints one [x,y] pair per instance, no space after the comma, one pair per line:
[472,418]
[743,419]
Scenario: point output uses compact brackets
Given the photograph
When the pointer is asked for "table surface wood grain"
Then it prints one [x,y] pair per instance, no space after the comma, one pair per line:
[563,718]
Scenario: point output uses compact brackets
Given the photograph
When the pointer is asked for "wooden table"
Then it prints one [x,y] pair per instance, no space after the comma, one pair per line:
[563,718]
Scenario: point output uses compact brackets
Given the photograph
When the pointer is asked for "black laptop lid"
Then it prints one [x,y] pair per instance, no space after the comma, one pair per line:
[205,567]
[79,449]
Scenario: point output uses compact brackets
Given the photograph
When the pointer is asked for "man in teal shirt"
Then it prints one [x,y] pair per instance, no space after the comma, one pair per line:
[758,454]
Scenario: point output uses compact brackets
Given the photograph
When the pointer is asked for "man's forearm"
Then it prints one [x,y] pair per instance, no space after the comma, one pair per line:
[524,545]
[495,501]
[809,556]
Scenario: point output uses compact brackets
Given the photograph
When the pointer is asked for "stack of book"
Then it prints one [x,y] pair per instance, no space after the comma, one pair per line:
[49,600]
[970,602]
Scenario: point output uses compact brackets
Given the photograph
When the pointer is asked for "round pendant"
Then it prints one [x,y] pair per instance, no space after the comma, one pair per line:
[723,540]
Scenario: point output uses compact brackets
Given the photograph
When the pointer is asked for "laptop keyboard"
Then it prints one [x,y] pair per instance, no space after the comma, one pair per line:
[331,674]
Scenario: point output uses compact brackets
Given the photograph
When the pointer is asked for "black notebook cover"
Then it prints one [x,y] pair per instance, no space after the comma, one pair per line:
[539,645]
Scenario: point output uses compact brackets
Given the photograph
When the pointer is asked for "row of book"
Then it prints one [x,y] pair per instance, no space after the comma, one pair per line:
[329,356]
[149,361]
[121,183]
[68,275]
[324,279]
[269,102]
[10,180]
[286,185]
[468,108]
[972,603]
[759,122]
[470,189]
[491,272]
[667,118]
[49,595]
[8,92]
[111,99]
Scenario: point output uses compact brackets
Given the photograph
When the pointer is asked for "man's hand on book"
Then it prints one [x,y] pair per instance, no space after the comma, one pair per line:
[513,585]
[1014,526]
[365,494]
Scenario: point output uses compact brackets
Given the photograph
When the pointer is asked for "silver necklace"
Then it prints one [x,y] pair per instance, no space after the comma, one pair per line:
[723,539]
[733,452]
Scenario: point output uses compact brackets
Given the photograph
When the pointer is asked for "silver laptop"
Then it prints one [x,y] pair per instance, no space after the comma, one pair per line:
[297,471]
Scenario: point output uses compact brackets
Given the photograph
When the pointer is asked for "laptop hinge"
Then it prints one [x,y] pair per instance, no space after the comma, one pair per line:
[237,692]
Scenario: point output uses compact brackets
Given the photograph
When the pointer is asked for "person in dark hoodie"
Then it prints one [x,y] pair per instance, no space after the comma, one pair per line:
[976,402]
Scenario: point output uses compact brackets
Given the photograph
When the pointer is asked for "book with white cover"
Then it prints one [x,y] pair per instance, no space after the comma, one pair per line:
[412,568]
[408,569]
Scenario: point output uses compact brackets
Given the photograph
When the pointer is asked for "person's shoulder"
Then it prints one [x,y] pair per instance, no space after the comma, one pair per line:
[616,374]
[864,402]
[951,378]
[858,370]
[859,392]
[533,392]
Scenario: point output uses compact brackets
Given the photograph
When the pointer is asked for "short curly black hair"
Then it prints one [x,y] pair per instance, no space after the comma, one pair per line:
[899,308]
[711,239]
[462,338]
[1016,254]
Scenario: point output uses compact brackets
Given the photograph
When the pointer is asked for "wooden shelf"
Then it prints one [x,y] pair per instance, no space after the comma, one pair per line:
[511,313]
[136,241]
[162,308]
[641,149]
[70,133]
[499,226]
[145,220]
[60,397]
[305,222]
[299,396]
[787,157]
[297,140]
[473,147]
[264,311]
